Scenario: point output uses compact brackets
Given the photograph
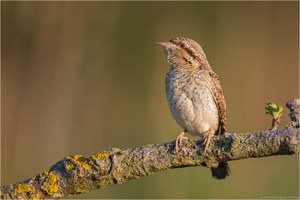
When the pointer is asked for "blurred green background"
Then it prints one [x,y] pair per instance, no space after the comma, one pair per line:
[80,77]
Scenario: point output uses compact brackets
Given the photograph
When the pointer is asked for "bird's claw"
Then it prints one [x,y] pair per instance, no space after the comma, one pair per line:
[179,139]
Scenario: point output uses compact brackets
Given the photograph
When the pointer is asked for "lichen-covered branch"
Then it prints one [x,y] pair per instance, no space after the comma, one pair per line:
[77,174]
[294,107]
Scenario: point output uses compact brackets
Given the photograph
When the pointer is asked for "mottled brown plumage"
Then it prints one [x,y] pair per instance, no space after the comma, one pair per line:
[194,94]
[220,101]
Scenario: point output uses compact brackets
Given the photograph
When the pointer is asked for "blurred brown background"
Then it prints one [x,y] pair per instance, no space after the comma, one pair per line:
[80,77]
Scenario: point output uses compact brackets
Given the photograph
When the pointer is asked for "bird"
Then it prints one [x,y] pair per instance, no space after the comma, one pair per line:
[194,94]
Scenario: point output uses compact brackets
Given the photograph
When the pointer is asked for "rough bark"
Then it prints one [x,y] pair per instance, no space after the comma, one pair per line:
[77,174]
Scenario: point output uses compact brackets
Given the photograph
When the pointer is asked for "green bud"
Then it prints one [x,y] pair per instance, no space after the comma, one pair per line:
[274,110]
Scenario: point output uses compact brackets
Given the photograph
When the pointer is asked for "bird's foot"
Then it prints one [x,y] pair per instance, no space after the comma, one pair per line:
[179,139]
[207,141]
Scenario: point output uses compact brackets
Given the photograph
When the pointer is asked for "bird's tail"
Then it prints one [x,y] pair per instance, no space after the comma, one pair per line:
[221,171]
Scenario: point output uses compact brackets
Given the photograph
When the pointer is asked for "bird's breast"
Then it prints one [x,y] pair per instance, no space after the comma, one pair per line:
[191,102]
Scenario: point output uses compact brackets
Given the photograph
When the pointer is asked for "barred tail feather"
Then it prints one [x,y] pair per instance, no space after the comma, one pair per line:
[221,172]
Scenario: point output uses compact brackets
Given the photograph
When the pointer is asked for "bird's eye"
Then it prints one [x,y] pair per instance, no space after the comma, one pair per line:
[186,60]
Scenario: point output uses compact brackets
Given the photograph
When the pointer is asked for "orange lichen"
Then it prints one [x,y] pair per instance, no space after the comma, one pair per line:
[69,166]
[49,185]
[99,155]
[80,161]
[26,188]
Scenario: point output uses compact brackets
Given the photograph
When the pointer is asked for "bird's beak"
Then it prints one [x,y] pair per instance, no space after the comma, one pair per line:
[166,44]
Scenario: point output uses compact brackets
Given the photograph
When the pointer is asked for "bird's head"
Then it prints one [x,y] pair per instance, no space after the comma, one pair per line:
[184,53]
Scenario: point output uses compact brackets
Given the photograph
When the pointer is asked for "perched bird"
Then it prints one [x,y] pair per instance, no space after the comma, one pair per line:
[194,94]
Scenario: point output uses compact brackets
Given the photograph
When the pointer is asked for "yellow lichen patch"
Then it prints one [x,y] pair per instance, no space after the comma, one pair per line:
[69,166]
[76,157]
[50,182]
[115,149]
[79,160]
[26,188]
[85,165]
[44,174]
[99,155]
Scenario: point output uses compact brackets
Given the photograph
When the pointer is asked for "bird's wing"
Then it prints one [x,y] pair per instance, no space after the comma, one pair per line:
[218,95]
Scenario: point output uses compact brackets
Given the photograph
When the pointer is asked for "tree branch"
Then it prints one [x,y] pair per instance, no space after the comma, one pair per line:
[77,174]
